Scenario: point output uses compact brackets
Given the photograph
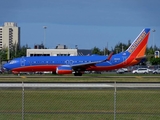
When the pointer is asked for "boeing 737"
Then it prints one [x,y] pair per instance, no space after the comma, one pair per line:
[78,64]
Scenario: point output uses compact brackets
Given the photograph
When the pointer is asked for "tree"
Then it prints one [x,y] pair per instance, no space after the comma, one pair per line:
[120,47]
[96,50]
[105,51]
[155,61]
[14,52]
[3,54]
[150,51]
[22,51]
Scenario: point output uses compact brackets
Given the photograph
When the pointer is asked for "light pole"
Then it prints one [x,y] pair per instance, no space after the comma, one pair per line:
[117,50]
[44,27]
[153,37]
[122,47]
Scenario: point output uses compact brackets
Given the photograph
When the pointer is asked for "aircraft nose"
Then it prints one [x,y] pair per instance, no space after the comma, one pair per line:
[5,66]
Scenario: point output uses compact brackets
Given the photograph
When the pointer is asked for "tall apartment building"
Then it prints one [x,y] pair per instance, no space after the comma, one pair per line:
[9,35]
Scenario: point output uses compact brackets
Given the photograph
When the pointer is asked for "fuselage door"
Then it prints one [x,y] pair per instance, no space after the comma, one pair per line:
[23,61]
[124,57]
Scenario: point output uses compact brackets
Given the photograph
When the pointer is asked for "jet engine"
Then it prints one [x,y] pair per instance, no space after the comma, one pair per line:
[64,70]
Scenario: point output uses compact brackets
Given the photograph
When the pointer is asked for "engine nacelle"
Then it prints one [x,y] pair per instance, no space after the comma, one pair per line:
[64,70]
[15,72]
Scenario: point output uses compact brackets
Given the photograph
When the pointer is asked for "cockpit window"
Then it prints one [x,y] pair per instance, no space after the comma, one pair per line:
[13,61]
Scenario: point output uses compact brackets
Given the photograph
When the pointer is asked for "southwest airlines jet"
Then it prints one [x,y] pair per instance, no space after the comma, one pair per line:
[79,64]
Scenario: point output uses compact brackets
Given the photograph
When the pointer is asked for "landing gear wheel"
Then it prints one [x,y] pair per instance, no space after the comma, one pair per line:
[77,74]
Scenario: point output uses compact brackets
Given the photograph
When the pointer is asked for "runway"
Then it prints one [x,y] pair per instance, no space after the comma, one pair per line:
[79,85]
[92,76]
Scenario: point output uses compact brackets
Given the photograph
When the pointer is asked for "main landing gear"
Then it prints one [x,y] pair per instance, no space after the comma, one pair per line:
[77,73]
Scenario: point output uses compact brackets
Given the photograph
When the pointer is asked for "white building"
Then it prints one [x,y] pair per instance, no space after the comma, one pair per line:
[51,52]
[9,35]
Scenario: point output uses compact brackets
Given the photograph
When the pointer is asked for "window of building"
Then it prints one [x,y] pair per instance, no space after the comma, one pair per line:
[10,29]
[63,54]
[39,54]
[46,54]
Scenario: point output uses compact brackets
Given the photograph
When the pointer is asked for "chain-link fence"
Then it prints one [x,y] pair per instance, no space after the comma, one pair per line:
[80,104]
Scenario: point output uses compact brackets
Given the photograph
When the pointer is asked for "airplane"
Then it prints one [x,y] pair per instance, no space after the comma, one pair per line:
[77,65]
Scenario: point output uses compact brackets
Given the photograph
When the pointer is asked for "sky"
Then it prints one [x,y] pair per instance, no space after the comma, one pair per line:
[85,23]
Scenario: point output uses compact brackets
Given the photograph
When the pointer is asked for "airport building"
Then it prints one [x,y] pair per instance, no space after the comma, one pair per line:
[60,50]
[9,35]
[51,52]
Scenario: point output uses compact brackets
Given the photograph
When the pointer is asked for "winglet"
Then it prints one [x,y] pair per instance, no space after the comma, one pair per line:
[109,57]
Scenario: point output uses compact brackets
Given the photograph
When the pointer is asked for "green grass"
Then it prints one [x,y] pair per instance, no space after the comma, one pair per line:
[80,104]
[85,78]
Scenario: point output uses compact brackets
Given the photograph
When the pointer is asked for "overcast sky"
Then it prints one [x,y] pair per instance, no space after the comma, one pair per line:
[86,23]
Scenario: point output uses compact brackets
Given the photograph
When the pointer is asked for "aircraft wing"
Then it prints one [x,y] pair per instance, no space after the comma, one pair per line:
[92,63]
[86,64]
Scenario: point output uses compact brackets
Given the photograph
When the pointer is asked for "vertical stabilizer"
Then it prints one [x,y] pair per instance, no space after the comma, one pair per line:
[138,47]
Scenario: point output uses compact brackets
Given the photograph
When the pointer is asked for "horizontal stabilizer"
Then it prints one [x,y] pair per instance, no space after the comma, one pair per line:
[139,58]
